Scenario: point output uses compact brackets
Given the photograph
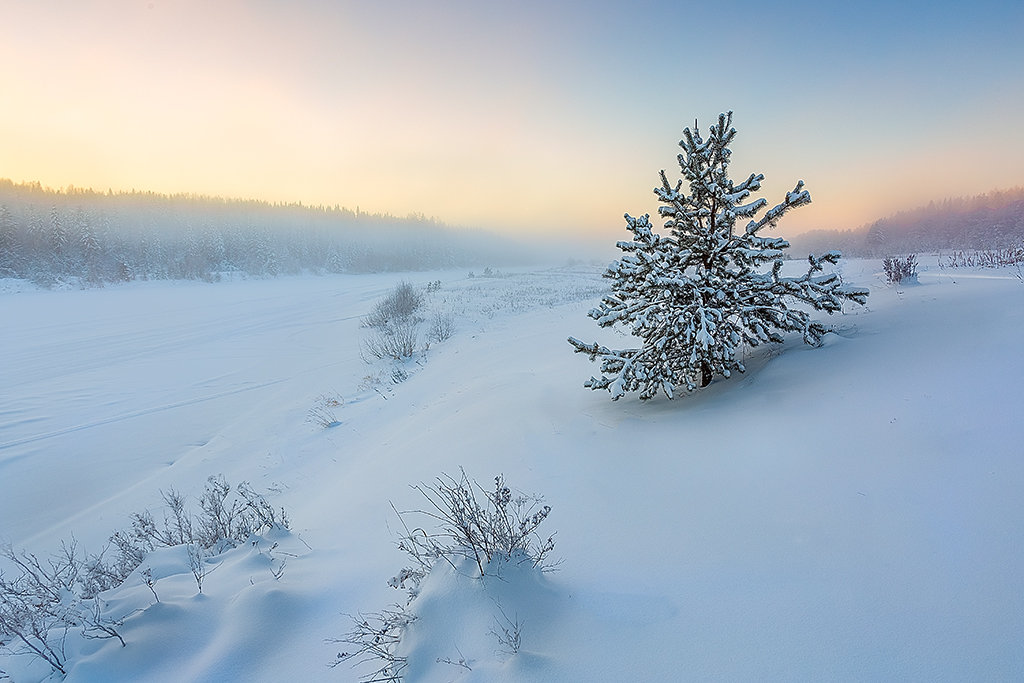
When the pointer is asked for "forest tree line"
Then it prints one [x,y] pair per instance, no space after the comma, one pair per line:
[90,238]
[984,222]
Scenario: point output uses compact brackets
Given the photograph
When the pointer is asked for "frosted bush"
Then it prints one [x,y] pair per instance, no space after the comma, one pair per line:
[394,322]
[442,325]
[46,599]
[900,270]
[396,341]
[400,304]
[477,524]
[463,522]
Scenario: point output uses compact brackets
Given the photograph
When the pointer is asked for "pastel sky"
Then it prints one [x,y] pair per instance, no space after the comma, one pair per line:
[522,115]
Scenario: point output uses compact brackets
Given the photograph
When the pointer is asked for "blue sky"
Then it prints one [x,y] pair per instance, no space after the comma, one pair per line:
[526,116]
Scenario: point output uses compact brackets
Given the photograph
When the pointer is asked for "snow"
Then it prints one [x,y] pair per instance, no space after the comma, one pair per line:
[849,512]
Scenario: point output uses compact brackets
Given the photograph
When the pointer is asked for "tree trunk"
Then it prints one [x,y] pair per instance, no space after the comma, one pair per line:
[705,375]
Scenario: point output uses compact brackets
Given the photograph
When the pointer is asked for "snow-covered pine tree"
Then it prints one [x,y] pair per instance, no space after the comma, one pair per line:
[694,297]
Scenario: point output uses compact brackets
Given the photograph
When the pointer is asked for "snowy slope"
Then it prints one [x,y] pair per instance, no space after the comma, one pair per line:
[841,513]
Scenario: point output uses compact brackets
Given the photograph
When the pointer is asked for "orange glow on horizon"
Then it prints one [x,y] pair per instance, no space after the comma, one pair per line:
[554,126]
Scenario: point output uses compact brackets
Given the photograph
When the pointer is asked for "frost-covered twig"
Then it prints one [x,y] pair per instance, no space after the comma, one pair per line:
[375,637]
[461,661]
[511,635]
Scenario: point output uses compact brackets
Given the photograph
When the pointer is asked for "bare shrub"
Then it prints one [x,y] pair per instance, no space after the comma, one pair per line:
[177,524]
[442,326]
[900,270]
[395,324]
[147,578]
[261,516]
[373,382]
[31,612]
[98,626]
[987,258]
[476,524]
[509,633]
[223,521]
[323,411]
[394,341]
[376,637]
[219,520]
[197,563]
[479,525]
[226,521]
[400,304]
[45,601]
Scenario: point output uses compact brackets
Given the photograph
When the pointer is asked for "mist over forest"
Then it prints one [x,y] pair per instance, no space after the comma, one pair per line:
[88,238]
[80,237]
[984,222]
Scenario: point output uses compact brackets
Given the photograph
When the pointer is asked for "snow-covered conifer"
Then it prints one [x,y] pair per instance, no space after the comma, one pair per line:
[696,296]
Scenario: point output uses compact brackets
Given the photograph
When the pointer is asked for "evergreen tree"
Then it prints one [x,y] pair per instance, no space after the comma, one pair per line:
[91,252]
[59,243]
[10,256]
[695,296]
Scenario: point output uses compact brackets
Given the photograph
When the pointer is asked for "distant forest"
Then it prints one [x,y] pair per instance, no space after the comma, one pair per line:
[989,221]
[86,238]
[89,238]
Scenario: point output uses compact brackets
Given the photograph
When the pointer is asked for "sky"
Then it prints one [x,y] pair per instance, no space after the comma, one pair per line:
[531,116]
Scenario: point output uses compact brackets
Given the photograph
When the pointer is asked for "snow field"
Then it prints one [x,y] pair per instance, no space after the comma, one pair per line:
[841,513]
